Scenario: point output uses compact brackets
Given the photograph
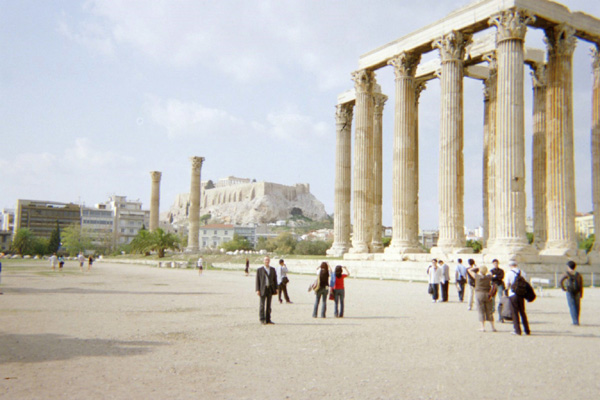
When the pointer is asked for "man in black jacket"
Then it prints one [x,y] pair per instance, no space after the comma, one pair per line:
[498,280]
[266,287]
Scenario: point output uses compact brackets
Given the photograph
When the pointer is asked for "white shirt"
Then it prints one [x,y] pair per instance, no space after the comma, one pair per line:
[278,272]
[435,275]
[512,275]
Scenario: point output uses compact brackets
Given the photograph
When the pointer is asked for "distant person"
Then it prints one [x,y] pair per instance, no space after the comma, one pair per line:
[53,261]
[61,263]
[0,275]
[247,270]
[471,282]
[200,265]
[90,262]
[282,281]
[460,277]
[266,287]
[574,289]
[445,282]
[484,291]
[498,280]
[81,260]
[339,291]
[321,289]
[517,302]
[435,277]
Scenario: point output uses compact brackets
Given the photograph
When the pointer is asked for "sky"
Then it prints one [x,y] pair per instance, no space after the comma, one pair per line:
[96,94]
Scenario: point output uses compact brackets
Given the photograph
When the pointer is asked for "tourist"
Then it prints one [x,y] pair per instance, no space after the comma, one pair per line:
[282,281]
[471,281]
[435,276]
[484,292]
[247,267]
[0,275]
[574,290]
[321,289]
[61,263]
[266,287]
[53,261]
[81,259]
[200,265]
[460,276]
[339,291]
[498,280]
[90,262]
[445,282]
[517,302]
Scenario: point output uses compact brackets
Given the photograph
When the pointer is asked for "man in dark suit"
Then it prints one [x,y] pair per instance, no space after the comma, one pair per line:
[266,287]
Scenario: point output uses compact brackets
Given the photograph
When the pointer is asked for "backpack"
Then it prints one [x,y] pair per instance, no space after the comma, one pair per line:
[573,286]
[522,288]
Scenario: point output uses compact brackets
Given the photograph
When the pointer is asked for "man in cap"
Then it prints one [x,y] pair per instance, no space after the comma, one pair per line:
[517,302]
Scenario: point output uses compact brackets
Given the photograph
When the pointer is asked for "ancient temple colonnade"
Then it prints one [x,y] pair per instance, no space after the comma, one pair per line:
[500,63]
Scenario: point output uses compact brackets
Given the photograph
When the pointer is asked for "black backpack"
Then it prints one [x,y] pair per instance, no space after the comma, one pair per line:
[522,288]
[573,286]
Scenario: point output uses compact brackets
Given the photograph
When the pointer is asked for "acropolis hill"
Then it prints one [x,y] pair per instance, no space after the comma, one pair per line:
[241,201]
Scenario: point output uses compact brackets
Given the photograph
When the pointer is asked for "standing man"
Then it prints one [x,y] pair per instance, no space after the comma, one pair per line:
[81,260]
[460,277]
[282,281]
[266,287]
[471,281]
[574,290]
[200,265]
[498,280]
[53,261]
[517,302]
[445,280]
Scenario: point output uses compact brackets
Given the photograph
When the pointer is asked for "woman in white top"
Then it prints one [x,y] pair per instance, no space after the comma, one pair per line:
[435,277]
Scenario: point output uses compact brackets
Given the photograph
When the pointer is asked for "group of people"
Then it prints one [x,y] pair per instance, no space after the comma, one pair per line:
[59,261]
[271,281]
[487,285]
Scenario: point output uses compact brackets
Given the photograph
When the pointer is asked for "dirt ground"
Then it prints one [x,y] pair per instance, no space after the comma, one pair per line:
[136,332]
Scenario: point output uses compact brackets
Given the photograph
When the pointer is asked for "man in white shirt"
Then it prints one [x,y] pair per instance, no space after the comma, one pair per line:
[445,282]
[517,302]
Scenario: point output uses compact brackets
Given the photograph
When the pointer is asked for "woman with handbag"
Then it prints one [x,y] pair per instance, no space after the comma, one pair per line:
[339,291]
[321,289]
[485,291]
[283,280]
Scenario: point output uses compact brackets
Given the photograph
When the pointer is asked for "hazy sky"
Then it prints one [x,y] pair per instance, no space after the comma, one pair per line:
[95,94]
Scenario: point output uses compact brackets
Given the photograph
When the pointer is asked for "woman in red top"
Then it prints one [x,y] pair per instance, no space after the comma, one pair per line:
[338,290]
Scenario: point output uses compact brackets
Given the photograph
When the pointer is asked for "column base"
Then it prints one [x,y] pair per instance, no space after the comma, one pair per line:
[560,249]
[192,250]
[403,248]
[338,250]
[513,247]
[376,247]
[359,248]
[445,251]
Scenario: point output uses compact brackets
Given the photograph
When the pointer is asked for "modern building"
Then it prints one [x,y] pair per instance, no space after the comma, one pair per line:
[42,217]
[99,222]
[247,232]
[5,240]
[584,225]
[214,235]
[8,219]
[129,218]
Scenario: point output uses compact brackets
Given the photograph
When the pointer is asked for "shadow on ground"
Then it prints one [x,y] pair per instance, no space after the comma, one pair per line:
[70,290]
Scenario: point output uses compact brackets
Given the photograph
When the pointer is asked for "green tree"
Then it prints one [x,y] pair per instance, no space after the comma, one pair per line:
[475,245]
[157,240]
[237,243]
[204,219]
[285,243]
[588,243]
[386,241]
[23,242]
[40,247]
[262,243]
[54,242]
[312,247]
[530,237]
[76,239]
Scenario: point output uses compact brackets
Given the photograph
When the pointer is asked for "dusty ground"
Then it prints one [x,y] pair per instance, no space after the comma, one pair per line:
[135,332]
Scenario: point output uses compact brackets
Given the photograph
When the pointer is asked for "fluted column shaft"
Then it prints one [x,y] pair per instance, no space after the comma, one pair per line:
[451,173]
[510,139]
[596,144]
[363,134]
[538,74]
[377,225]
[560,181]
[343,180]
[405,157]
[489,151]
[194,217]
[155,199]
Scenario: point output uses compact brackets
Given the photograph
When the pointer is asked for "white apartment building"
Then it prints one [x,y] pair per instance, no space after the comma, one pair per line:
[99,222]
[214,235]
[128,216]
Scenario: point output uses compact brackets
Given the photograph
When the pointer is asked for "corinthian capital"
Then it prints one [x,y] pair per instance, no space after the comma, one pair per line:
[343,113]
[452,45]
[155,175]
[363,80]
[379,100]
[197,162]
[419,87]
[595,51]
[538,75]
[511,24]
[405,64]
[560,40]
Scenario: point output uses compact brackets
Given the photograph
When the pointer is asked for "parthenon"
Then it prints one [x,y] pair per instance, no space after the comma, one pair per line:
[484,40]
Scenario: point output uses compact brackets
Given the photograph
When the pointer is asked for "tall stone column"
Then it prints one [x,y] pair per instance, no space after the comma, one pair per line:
[379,100]
[343,180]
[405,196]
[596,146]
[560,172]
[194,217]
[489,151]
[364,82]
[451,169]
[155,199]
[509,157]
[538,74]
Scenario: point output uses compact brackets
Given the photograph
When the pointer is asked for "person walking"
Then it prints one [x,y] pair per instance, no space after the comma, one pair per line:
[574,289]
[53,261]
[498,280]
[81,260]
[517,302]
[460,277]
[282,281]
[321,289]
[61,263]
[200,265]
[435,277]
[484,292]
[247,270]
[90,262]
[445,282]
[266,287]
[339,291]
[471,282]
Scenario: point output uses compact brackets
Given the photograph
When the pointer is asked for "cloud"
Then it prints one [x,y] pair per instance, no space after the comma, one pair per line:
[90,35]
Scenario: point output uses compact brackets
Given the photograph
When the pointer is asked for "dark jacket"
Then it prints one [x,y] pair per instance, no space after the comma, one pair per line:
[261,281]
[497,276]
